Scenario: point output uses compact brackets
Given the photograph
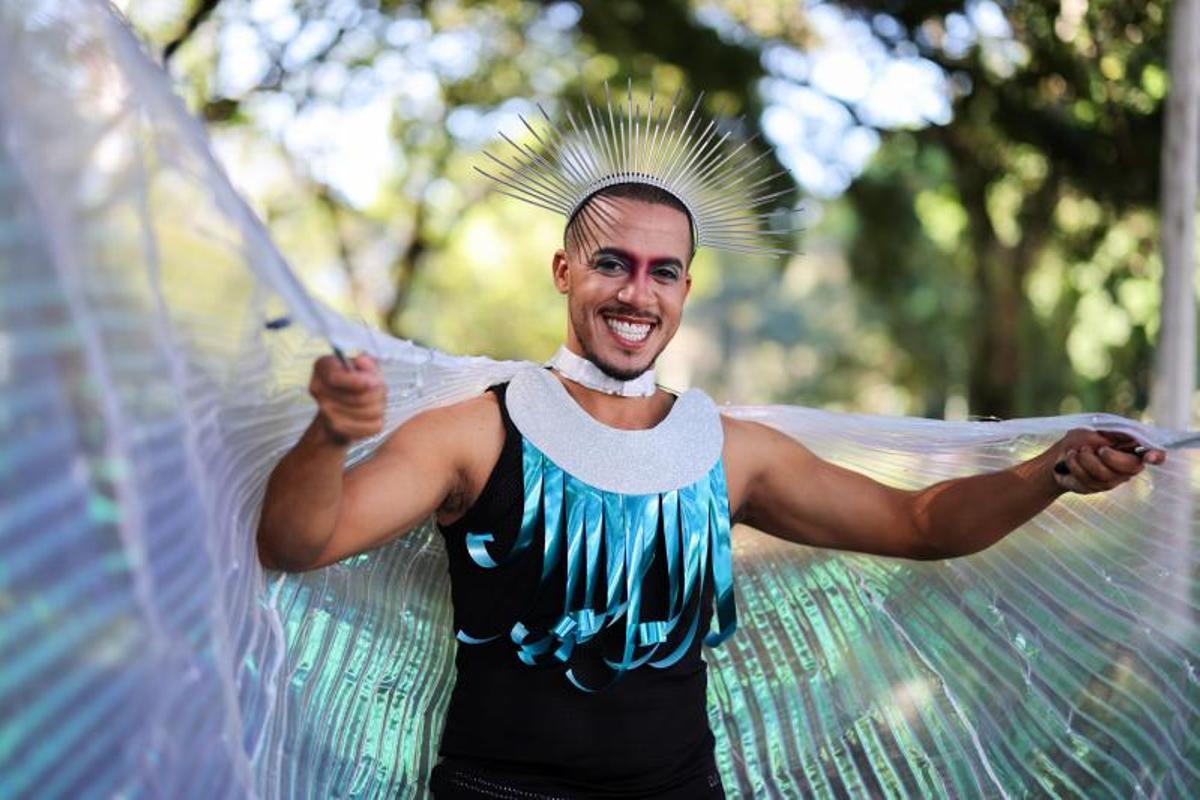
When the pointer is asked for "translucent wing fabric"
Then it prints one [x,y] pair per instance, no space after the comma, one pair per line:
[143,652]
[1060,662]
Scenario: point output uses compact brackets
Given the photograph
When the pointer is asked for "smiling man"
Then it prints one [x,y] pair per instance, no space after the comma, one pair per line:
[627,304]
[587,512]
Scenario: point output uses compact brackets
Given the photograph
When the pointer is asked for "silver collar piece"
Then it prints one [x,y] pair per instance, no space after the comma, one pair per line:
[676,452]
[585,373]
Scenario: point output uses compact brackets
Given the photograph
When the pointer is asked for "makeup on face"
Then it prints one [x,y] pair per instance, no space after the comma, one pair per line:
[665,269]
[630,325]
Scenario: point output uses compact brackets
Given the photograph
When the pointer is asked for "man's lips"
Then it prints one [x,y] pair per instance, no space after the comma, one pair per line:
[633,318]
[630,332]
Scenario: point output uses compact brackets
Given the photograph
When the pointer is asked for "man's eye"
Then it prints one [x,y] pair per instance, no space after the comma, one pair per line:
[667,274]
[610,264]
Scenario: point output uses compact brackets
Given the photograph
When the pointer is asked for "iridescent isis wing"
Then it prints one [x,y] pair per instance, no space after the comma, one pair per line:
[147,387]
[143,400]
[1060,662]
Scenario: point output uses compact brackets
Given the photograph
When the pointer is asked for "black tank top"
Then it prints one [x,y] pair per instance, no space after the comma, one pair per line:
[507,720]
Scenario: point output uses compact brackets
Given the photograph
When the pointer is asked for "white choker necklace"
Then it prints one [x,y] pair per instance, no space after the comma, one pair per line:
[585,373]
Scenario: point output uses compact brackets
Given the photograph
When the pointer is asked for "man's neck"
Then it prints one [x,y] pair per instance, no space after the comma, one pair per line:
[570,363]
[626,413]
[614,410]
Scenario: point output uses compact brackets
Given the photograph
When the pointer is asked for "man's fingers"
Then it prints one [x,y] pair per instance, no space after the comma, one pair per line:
[337,404]
[1096,468]
[1120,462]
[352,401]
[1155,456]
[1097,461]
[1071,483]
[352,424]
[342,378]
[1118,438]
[1081,474]
[330,372]
[1125,443]
[361,417]
[365,363]
[356,396]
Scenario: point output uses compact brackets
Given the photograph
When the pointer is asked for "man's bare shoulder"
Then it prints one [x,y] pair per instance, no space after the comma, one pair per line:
[739,454]
[474,421]
[747,438]
[477,419]
[744,435]
[464,439]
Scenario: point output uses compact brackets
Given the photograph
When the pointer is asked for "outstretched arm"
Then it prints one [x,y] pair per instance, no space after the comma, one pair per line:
[779,486]
[315,513]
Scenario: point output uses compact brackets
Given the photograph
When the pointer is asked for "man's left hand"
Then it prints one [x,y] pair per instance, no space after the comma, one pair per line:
[1097,461]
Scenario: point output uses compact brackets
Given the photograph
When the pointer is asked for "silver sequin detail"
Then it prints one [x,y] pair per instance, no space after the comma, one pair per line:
[675,453]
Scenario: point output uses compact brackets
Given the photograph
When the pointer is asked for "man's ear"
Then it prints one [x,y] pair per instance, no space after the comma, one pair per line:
[560,267]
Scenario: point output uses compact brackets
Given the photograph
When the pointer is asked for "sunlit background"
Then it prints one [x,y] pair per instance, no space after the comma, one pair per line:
[977,180]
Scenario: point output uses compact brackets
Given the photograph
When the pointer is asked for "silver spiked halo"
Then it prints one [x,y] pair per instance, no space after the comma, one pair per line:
[718,181]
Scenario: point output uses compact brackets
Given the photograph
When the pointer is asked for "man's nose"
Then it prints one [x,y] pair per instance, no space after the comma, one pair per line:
[636,291]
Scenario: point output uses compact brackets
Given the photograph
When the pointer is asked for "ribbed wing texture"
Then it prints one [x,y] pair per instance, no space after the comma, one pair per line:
[143,652]
[1060,662]
[142,404]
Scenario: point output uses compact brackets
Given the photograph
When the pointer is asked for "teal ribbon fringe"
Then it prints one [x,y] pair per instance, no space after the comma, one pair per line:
[694,524]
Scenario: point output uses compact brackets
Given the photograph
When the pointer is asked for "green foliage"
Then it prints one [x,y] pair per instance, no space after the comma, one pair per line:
[1003,262]
[1050,159]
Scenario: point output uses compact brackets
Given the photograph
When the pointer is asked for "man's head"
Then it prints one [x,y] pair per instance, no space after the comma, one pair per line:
[624,267]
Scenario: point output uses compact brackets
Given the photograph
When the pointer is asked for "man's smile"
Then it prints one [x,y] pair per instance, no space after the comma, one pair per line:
[630,332]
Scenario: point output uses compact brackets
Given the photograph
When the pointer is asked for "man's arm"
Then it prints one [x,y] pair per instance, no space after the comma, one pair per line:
[315,513]
[781,487]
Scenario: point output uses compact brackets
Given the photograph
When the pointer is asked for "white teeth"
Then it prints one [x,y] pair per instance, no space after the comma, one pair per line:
[633,331]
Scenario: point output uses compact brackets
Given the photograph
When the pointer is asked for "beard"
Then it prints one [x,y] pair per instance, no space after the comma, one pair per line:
[612,370]
[607,367]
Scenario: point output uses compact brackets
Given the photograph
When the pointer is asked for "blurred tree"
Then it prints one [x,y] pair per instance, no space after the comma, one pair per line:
[1027,202]
[1005,251]
[455,67]
[1175,363]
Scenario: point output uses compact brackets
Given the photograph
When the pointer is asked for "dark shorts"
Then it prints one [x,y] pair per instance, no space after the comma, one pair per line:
[451,780]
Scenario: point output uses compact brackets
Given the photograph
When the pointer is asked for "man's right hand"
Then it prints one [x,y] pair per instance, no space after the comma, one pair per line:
[316,511]
[350,402]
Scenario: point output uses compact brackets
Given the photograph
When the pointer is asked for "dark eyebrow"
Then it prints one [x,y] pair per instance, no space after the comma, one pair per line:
[612,251]
[669,261]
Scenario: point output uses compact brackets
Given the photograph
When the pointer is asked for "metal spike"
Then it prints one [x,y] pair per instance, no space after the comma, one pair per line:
[716,175]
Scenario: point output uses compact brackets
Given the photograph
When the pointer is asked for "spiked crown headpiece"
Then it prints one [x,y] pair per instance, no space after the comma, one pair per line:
[720,183]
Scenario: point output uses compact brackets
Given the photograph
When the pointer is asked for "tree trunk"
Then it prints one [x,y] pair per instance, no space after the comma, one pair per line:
[996,363]
[1175,359]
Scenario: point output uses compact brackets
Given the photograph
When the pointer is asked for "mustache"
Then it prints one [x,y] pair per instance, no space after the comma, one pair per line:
[631,313]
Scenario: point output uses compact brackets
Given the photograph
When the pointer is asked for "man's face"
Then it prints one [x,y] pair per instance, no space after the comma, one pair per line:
[625,281]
